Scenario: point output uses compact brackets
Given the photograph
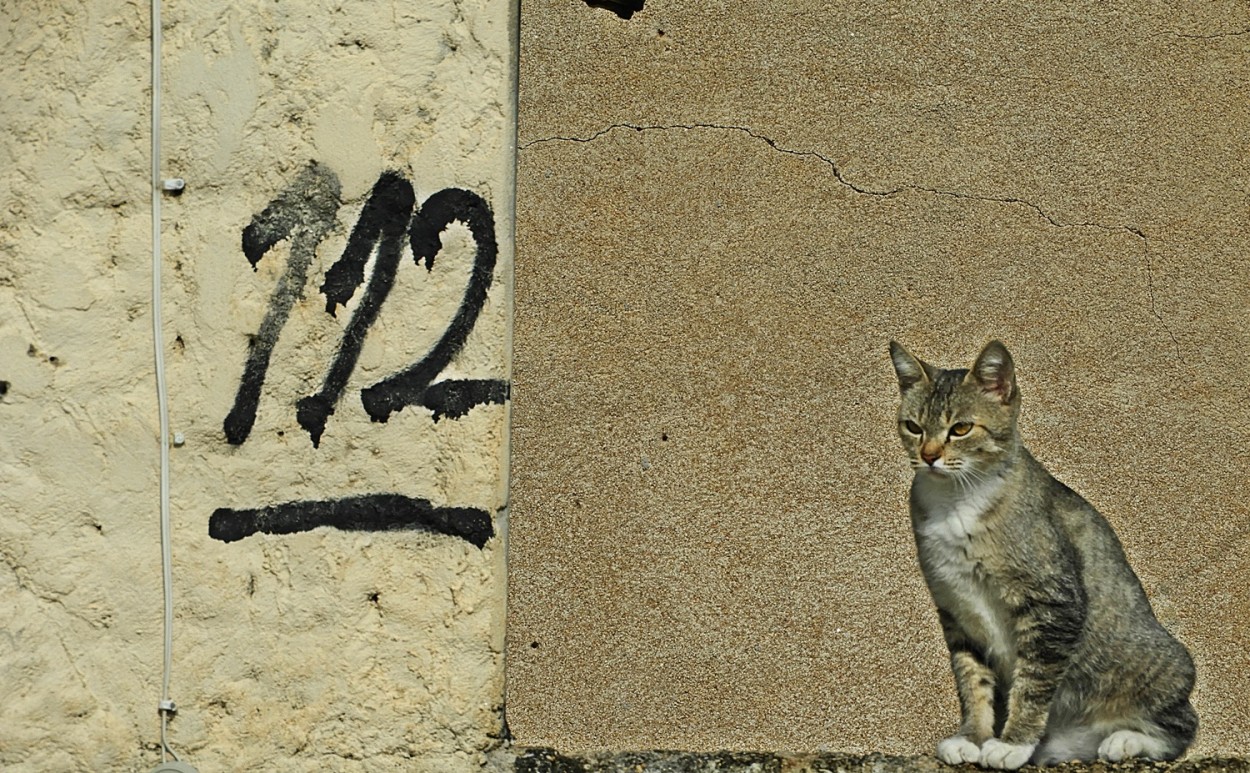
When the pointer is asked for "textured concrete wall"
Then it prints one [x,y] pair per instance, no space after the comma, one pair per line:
[339,606]
[725,211]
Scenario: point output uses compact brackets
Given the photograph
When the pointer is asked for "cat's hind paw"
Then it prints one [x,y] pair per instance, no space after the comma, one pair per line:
[1124,744]
[1001,755]
[957,750]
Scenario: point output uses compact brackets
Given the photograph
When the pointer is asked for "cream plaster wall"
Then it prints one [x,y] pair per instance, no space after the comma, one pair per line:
[325,649]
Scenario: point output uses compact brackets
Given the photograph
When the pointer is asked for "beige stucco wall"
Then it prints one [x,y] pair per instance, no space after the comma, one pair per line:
[326,649]
[725,211]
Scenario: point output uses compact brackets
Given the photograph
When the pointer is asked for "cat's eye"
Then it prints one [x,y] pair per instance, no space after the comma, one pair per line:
[961,429]
[913,427]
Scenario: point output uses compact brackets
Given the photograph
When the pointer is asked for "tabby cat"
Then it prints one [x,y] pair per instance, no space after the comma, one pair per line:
[1056,652]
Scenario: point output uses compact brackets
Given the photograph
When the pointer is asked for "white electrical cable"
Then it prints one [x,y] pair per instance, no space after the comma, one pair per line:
[166,706]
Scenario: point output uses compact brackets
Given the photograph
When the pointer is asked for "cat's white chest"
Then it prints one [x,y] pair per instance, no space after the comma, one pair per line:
[953,514]
[949,538]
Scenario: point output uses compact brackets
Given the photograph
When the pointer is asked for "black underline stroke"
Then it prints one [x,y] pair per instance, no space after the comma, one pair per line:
[368,512]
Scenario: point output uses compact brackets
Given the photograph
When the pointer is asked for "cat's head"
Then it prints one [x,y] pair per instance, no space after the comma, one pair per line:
[959,423]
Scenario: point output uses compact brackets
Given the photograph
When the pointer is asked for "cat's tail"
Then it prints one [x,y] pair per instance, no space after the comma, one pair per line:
[1179,724]
[1165,737]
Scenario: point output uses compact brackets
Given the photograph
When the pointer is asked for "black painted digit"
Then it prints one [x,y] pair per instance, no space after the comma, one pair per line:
[304,213]
[382,223]
[453,398]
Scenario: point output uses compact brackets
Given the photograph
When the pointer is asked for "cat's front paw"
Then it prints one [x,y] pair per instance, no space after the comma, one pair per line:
[1123,744]
[957,750]
[1001,755]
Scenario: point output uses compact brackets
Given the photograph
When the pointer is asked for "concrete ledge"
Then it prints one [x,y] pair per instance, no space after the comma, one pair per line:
[550,761]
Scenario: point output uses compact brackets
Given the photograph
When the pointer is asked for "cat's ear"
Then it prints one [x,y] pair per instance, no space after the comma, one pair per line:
[910,370]
[995,372]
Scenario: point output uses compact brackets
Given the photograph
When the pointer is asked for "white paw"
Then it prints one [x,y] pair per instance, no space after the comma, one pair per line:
[1005,756]
[1123,744]
[957,750]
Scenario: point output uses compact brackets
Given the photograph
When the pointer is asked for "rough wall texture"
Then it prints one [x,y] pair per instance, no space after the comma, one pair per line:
[358,626]
[549,761]
[725,211]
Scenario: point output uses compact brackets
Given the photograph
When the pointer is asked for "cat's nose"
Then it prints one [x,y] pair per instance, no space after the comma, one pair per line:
[930,454]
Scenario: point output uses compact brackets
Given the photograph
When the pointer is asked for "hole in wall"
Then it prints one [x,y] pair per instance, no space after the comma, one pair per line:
[51,359]
[622,8]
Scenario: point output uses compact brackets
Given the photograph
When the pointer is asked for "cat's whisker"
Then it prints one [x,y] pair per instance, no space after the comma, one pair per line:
[976,476]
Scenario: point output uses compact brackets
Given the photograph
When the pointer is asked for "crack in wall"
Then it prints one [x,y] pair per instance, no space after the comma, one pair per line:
[73,666]
[45,596]
[1150,291]
[890,192]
